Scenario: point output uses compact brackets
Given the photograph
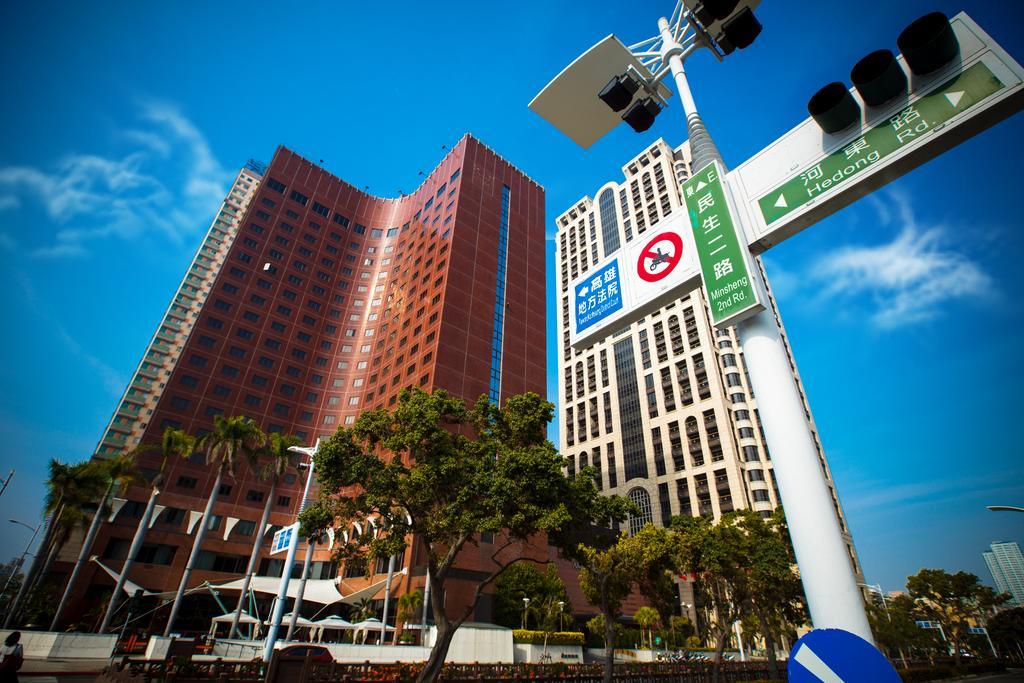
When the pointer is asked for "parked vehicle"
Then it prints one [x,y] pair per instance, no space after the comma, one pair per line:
[297,653]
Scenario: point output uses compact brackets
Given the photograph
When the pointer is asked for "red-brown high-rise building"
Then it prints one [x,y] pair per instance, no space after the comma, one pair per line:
[316,302]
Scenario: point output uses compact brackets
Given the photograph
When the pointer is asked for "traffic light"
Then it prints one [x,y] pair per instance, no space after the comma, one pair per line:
[731,24]
[927,44]
[878,78]
[641,115]
[833,108]
[619,92]
[738,31]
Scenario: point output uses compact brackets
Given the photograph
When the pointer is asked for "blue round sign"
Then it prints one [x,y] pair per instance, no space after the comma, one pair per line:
[831,655]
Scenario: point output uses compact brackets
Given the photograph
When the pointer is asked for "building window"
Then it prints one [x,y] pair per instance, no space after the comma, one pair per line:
[498,332]
[254,496]
[185,482]
[642,500]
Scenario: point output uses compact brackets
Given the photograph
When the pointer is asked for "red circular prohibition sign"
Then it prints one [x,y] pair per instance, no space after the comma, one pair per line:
[651,258]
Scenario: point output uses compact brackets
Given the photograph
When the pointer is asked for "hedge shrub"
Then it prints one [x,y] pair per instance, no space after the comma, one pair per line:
[554,638]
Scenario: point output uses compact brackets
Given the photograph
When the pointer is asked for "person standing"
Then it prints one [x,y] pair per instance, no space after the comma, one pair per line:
[12,655]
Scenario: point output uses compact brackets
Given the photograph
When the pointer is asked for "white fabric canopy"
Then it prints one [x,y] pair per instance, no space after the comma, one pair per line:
[335,622]
[371,624]
[320,591]
[129,586]
[244,618]
[287,619]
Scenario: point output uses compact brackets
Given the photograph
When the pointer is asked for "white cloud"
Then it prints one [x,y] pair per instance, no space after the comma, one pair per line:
[169,186]
[904,281]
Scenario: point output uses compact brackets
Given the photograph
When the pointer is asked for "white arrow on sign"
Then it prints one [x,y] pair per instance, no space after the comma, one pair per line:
[955,97]
[701,185]
[781,202]
[806,658]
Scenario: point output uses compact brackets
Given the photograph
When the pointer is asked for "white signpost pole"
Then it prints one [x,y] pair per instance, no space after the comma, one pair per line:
[825,565]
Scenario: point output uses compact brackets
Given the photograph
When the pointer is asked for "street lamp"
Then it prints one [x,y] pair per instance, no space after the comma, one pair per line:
[561,606]
[289,561]
[1005,508]
[21,562]
[526,605]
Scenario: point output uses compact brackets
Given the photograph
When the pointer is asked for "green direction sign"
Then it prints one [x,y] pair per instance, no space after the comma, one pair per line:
[908,126]
[723,255]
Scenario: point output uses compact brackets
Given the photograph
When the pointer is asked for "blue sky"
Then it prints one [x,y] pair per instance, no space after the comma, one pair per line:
[124,125]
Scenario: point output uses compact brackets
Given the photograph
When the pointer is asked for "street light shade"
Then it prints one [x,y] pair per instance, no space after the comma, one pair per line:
[878,78]
[1005,508]
[928,43]
[641,115]
[619,92]
[833,108]
[740,31]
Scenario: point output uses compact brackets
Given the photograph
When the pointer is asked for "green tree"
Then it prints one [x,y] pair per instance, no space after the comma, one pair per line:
[775,594]
[277,461]
[953,600]
[69,490]
[442,473]
[1006,629]
[647,618]
[118,472]
[720,555]
[608,575]
[408,606]
[892,624]
[174,444]
[232,439]
[525,580]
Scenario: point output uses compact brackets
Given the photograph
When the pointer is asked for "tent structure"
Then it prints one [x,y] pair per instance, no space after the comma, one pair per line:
[244,618]
[301,622]
[331,623]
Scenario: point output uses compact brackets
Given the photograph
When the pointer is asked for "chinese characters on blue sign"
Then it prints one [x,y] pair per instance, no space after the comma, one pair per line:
[598,297]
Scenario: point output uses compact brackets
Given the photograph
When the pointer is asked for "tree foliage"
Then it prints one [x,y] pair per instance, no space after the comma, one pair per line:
[442,472]
[1006,629]
[525,580]
[746,565]
[607,576]
[953,600]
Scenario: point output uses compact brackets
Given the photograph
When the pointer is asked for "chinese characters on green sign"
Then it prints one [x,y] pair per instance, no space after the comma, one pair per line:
[947,100]
[723,255]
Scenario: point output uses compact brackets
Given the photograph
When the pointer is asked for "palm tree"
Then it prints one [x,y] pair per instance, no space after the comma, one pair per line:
[68,489]
[408,605]
[174,444]
[646,618]
[363,610]
[231,439]
[279,460]
[118,472]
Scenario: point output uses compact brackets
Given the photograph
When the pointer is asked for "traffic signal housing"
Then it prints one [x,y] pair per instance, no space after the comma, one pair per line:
[641,115]
[619,92]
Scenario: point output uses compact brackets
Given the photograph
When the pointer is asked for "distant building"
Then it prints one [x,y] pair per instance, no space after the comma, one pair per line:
[662,408]
[1007,566]
[309,302]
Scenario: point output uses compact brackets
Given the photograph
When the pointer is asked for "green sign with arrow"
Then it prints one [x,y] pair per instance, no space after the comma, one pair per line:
[723,256]
[908,126]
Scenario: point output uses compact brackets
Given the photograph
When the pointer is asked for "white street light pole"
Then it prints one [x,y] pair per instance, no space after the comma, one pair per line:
[21,560]
[825,567]
[289,561]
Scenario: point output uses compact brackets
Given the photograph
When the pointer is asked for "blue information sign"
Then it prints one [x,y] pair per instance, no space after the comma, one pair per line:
[598,297]
[836,656]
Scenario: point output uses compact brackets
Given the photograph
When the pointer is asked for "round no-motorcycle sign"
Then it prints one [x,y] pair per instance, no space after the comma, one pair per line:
[660,257]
